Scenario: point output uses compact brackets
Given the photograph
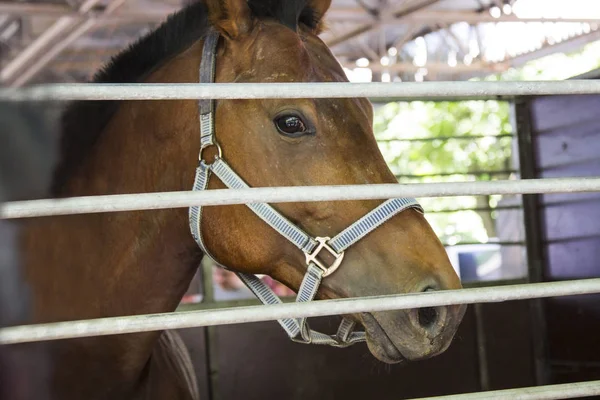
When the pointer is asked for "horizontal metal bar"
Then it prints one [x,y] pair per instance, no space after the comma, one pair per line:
[398,91]
[223,304]
[549,392]
[475,209]
[499,243]
[253,301]
[452,173]
[179,320]
[444,138]
[161,200]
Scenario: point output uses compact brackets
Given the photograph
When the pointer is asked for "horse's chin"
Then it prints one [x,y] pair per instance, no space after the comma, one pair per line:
[384,349]
[379,343]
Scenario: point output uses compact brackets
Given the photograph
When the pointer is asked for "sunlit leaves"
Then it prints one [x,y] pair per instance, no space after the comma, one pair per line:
[469,159]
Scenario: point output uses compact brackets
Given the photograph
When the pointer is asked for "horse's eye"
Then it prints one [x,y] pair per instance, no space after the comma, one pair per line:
[291,125]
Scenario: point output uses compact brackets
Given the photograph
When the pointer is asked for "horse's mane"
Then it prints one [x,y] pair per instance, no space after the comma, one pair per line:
[83,121]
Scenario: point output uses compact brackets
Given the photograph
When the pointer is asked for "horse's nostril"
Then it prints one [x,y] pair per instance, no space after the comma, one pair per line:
[427,317]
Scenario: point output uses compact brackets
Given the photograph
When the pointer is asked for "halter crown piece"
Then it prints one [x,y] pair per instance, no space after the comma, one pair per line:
[296,328]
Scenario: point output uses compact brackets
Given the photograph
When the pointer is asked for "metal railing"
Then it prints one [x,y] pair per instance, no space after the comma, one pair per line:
[238,315]
[403,91]
[220,197]
[396,91]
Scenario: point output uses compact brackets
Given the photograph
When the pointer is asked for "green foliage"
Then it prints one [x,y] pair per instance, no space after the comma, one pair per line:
[443,120]
[440,120]
[465,159]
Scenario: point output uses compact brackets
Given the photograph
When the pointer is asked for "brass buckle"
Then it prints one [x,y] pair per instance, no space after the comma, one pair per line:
[312,257]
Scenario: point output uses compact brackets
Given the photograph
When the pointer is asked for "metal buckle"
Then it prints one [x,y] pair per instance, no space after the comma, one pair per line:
[312,257]
[219,152]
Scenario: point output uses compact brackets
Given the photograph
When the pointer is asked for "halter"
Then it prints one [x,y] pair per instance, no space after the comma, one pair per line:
[297,329]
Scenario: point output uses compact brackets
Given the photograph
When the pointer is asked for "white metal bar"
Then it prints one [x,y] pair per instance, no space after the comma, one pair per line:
[549,392]
[178,320]
[161,200]
[398,91]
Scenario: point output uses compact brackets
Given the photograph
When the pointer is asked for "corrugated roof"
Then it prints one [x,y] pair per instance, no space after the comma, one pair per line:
[408,40]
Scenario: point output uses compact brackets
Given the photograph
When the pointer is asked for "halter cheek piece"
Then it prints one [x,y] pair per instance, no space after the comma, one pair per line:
[297,329]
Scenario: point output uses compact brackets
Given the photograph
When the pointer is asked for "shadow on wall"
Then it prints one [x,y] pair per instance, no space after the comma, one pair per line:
[27,155]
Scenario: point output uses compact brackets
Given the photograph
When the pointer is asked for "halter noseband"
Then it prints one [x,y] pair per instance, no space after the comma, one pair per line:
[297,329]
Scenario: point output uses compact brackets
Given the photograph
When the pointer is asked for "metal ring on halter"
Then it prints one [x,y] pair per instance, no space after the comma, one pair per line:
[219,152]
[312,257]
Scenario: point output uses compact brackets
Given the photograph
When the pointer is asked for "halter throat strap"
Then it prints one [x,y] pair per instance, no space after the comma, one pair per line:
[297,328]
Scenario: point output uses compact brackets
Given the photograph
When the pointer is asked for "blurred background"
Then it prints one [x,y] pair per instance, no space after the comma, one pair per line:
[491,240]
[379,40]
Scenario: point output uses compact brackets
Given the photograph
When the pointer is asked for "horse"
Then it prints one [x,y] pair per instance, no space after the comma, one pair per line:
[99,265]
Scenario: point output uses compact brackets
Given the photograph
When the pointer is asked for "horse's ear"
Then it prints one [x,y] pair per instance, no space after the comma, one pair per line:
[319,8]
[230,17]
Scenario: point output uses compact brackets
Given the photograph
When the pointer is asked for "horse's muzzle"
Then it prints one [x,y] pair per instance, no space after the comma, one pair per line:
[416,334]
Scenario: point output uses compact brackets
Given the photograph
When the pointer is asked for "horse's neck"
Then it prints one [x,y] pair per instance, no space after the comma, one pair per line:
[100,265]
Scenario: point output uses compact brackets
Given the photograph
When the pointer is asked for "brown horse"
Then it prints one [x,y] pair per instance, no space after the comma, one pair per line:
[99,265]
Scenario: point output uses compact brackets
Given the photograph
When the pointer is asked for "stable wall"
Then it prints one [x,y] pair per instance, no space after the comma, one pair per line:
[491,350]
[565,131]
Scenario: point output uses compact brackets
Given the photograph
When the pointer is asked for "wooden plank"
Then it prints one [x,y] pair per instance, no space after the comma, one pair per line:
[567,140]
[569,198]
[577,168]
[576,259]
[509,359]
[552,112]
[568,144]
[258,361]
[565,221]
[573,333]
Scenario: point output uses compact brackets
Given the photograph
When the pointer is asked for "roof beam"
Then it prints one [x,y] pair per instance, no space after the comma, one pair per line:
[60,26]
[42,9]
[408,35]
[403,13]
[405,67]
[449,16]
[72,35]
[142,14]
[156,14]
[548,49]
[25,9]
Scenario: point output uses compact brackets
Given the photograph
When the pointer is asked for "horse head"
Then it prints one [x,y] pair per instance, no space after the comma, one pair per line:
[299,142]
